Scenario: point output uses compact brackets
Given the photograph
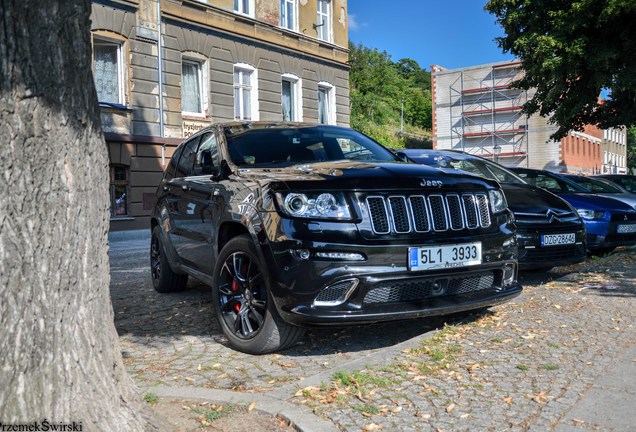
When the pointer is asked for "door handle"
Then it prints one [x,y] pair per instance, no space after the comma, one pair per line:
[184,187]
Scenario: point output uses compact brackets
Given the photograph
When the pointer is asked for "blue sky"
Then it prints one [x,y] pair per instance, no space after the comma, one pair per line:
[449,33]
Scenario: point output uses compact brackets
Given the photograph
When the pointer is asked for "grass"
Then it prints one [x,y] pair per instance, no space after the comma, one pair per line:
[151,398]
[522,367]
[368,409]
[550,367]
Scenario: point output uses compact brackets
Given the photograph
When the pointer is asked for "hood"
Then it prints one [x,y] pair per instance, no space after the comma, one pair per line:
[595,202]
[346,174]
[532,200]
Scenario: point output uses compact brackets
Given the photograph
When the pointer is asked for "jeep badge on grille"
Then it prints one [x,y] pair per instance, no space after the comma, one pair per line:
[430,183]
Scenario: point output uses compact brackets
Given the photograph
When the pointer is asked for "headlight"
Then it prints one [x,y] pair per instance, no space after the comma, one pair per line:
[591,214]
[315,205]
[497,200]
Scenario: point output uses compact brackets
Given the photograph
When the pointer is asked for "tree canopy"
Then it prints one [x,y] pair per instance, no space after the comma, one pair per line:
[571,52]
[379,86]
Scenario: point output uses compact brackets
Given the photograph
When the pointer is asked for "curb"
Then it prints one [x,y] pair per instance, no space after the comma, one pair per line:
[122,236]
[301,418]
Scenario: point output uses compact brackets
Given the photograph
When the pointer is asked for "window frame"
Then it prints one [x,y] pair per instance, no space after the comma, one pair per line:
[324,32]
[113,183]
[202,72]
[296,99]
[283,8]
[330,91]
[238,8]
[100,39]
[243,68]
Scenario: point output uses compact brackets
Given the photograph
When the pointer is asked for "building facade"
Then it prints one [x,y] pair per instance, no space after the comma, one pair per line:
[476,110]
[164,69]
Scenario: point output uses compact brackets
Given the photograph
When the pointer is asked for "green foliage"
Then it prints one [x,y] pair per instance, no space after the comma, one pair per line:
[378,87]
[570,52]
[631,149]
[151,398]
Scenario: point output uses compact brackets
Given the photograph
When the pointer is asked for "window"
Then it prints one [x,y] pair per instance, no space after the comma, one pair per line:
[244,7]
[118,191]
[326,104]
[324,20]
[207,155]
[194,79]
[291,98]
[108,72]
[288,14]
[245,93]
[185,165]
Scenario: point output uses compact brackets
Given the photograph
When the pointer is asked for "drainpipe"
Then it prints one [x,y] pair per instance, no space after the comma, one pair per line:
[160,70]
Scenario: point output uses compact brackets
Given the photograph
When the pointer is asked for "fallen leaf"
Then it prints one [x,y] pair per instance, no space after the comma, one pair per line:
[397,409]
[508,400]
[251,407]
[450,408]
[372,427]
[199,367]
[575,420]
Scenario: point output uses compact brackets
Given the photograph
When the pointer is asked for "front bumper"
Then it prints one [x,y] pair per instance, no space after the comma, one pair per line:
[604,234]
[533,254]
[313,291]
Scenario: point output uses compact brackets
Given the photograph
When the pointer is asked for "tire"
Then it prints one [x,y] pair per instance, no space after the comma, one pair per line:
[243,302]
[164,279]
[602,251]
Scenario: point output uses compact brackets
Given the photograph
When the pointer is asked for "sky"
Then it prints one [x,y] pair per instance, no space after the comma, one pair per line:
[448,33]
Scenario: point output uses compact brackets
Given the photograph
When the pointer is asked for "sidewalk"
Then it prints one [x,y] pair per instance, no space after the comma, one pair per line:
[560,357]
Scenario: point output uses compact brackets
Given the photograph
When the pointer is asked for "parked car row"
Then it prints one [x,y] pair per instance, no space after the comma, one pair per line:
[295,225]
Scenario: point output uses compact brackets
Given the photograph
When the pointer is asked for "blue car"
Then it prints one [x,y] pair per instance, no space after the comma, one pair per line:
[609,222]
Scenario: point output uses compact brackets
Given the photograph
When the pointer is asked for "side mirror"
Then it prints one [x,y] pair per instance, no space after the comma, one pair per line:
[403,157]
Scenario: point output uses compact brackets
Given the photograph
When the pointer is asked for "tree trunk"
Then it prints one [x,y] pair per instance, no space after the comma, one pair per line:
[59,353]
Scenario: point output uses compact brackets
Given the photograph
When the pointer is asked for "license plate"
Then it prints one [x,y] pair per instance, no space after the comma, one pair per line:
[626,229]
[447,256]
[557,239]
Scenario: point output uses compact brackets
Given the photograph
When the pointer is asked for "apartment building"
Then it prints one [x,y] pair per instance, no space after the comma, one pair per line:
[164,69]
[476,110]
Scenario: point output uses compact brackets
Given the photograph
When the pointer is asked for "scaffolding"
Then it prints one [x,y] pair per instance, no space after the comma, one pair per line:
[486,118]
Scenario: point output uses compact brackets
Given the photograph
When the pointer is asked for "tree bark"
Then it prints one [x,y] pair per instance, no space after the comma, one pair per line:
[59,353]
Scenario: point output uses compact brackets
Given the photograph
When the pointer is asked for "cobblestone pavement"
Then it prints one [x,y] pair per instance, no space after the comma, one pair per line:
[519,366]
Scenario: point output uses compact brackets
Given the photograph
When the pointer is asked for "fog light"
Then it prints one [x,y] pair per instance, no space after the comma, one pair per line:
[509,274]
[336,294]
[302,254]
[344,256]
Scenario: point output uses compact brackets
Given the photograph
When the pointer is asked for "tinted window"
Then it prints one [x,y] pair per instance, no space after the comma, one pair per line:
[207,155]
[595,185]
[173,164]
[186,161]
[289,145]
[627,183]
[472,165]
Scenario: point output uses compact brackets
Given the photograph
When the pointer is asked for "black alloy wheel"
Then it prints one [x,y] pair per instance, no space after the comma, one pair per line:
[164,279]
[242,295]
[243,301]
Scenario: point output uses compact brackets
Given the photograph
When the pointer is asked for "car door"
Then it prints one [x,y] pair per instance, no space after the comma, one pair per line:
[200,207]
[177,190]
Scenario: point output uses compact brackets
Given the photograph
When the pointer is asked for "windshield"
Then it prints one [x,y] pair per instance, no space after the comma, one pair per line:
[596,186]
[472,165]
[628,183]
[551,182]
[288,145]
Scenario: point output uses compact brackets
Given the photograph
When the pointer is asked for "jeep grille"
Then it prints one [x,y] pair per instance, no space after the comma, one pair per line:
[422,213]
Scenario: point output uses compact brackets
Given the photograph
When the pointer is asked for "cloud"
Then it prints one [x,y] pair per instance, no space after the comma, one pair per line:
[353,23]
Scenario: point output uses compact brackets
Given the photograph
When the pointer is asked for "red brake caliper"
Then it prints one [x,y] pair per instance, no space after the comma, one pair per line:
[236,287]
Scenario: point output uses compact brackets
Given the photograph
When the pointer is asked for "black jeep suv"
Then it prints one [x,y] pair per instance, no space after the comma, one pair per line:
[295,225]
